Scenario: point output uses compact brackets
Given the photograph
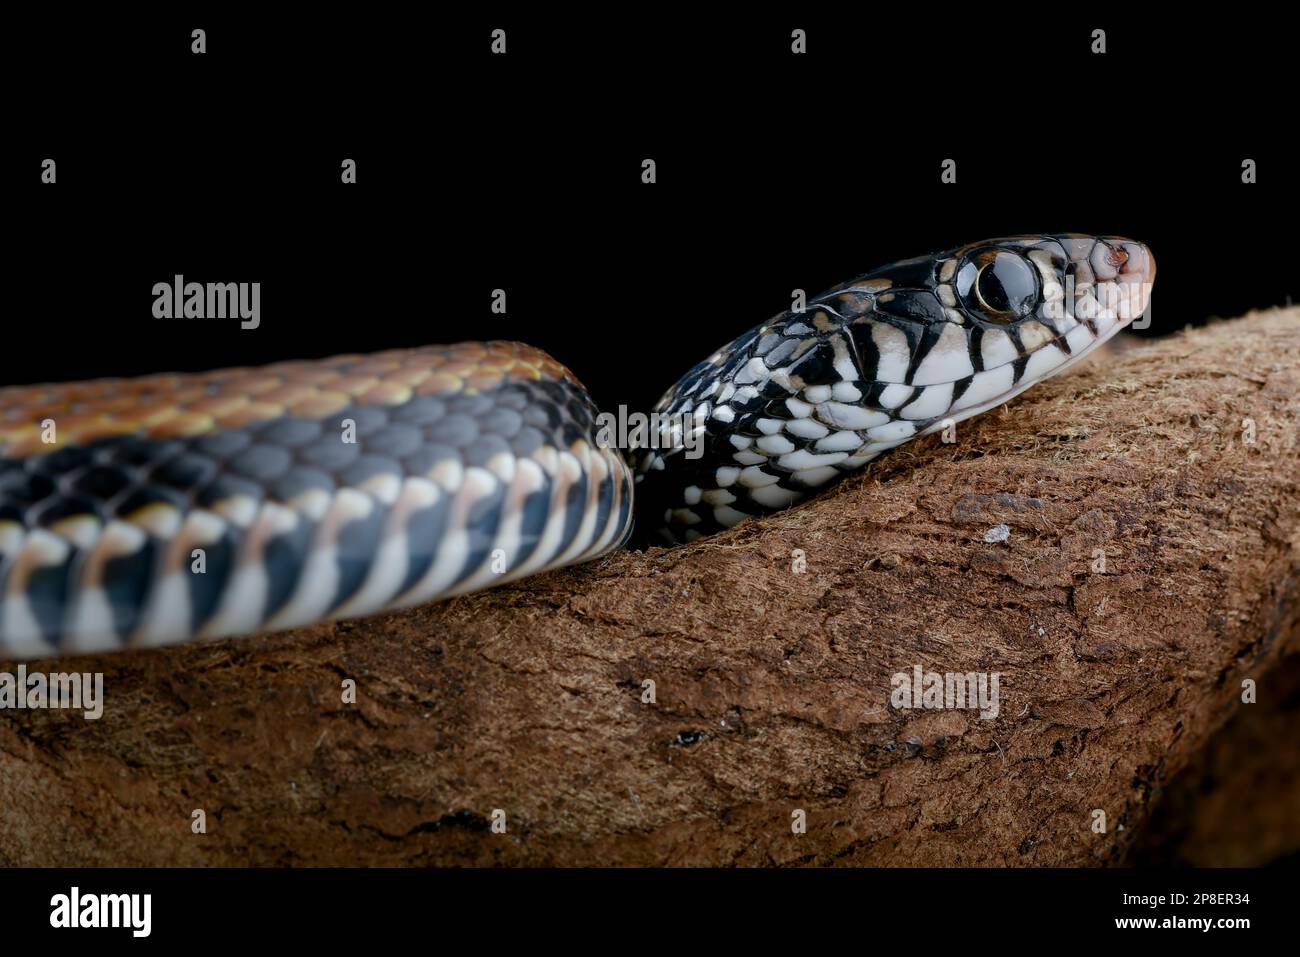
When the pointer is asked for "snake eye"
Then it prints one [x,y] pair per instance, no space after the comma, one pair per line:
[998,286]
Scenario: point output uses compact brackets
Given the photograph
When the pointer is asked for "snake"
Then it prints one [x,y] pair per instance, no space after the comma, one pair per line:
[144,512]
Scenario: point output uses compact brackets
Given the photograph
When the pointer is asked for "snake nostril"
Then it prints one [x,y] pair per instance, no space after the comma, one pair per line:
[1138,261]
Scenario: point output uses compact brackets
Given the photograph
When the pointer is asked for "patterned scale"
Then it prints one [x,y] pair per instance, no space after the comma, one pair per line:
[311,490]
[811,395]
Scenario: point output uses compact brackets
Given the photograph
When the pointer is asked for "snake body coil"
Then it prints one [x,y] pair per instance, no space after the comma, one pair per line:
[142,512]
[178,507]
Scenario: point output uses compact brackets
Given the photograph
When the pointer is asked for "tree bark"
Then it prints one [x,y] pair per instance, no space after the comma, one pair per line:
[1120,545]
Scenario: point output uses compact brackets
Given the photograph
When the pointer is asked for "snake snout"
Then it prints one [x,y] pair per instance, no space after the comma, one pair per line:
[1126,270]
[1132,257]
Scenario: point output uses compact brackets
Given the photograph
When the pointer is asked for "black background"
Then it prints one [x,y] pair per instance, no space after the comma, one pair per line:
[587,910]
[523,172]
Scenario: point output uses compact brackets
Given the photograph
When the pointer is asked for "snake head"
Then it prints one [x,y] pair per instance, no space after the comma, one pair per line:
[1034,303]
[900,352]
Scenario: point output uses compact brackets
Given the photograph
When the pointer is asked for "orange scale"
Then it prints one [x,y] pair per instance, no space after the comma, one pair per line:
[381,368]
[346,363]
[289,393]
[162,383]
[251,414]
[228,378]
[412,376]
[181,425]
[131,420]
[460,368]
[158,415]
[31,394]
[318,377]
[440,383]
[320,405]
[218,405]
[482,383]
[81,421]
[386,393]
[356,384]
[260,384]
[183,397]
[119,404]
[34,412]
[86,390]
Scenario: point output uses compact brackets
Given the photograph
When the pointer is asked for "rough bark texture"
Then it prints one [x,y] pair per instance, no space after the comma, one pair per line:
[772,687]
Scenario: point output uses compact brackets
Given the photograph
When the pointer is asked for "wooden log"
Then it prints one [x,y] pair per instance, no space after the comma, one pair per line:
[1119,546]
